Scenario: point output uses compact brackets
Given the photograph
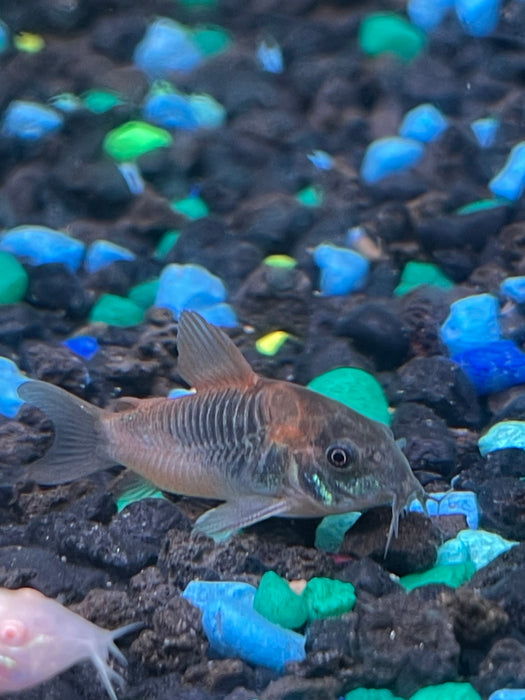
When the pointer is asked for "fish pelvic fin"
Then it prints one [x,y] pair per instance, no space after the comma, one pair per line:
[207,357]
[221,522]
[79,448]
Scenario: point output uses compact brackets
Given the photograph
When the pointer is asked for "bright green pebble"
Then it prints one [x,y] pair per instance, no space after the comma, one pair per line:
[310,196]
[453,575]
[13,279]
[133,139]
[371,694]
[100,101]
[326,597]
[482,205]
[192,207]
[276,601]
[450,691]
[116,311]
[211,40]
[417,273]
[144,294]
[166,243]
[355,388]
[284,262]
[386,32]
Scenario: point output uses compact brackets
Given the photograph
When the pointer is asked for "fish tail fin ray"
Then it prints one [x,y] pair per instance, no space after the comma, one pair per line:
[79,446]
[221,522]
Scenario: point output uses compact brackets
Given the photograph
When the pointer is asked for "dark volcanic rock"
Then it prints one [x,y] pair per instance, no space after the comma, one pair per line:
[503,667]
[502,505]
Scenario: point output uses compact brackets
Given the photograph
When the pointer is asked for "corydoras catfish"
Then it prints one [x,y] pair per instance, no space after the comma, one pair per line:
[265,447]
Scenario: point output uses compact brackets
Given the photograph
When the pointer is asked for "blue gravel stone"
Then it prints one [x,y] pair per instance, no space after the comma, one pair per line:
[478,546]
[4,37]
[423,123]
[508,694]
[85,346]
[428,14]
[170,110]
[30,121]
[235,629]
[321,160]
[102,253]
[493,367]
[503,435]
[167,46]
[43,245]
[190,287]
[451,503]
[510,181]
[485,130]
[342,270]
[478,17]
[514,288]
[270,56]
[10,380]
[389,156]
[472,321]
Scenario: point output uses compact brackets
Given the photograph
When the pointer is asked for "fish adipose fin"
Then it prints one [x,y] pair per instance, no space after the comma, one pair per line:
[207,357]
[219,523]
[79,446]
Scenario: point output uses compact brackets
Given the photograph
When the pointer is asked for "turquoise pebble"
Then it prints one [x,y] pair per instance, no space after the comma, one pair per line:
[167,46]
[390,156]
[102,253]
[4,37]
[43,245]
[423,123]
[85,346]
[485,131]
[478,17]
[30,121]
[478,546]
[472,322]
[514,288]
[332,529]
[503,435]
[208,113]
[370,694]
[342,270]
[235,629]
[10,380]
[447,691]
[510,181]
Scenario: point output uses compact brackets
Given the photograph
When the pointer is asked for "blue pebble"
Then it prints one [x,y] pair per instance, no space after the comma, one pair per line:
[66,102]
[178,392]
[478,546]
[190,287]
[510,181]
[208,113]
[428,14]
[478,17]
[167,46]
[508,694]
[30,121]
[220,315]
[485,130]
[514,288]
[10,380]
[503,435]
[270,56]
[102,253]
[235,629]
[423,123]
[131,174]
[85,346]
[321,160]
[43,245]
[389,156]
[472,321]
[171,110]
[493,367]
[342,270]
[451,503]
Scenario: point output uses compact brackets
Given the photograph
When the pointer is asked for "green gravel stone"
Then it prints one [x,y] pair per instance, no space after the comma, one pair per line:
[310,196]
[371,694]
[133,139]
[165,244]
[116,311]
[144,294]
[355,388]
[211,39]
[450,691]
[282,262]
[276,601]
[192,207]
[417,273]
[100,101]
[482,205]
[13,279]
[386,32]
[453,575]
[326,597]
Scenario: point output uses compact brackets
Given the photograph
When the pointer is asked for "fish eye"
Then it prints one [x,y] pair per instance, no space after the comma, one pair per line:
[340,456]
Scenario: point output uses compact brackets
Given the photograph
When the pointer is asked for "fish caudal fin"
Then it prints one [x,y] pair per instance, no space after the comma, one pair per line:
[79,446]
[221,522]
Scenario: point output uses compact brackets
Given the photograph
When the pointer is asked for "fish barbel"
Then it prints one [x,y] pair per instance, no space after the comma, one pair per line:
[265,447]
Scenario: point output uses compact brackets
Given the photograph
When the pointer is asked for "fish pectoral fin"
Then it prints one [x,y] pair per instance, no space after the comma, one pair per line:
[219,523]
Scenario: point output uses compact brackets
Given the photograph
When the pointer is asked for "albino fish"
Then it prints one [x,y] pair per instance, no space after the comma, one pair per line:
[265,447]
[40,638]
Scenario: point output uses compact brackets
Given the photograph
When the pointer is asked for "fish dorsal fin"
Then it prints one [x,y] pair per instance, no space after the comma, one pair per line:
[207,357]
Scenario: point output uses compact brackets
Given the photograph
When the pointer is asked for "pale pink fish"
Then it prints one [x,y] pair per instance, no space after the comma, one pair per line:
[265,447]
[39,638]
